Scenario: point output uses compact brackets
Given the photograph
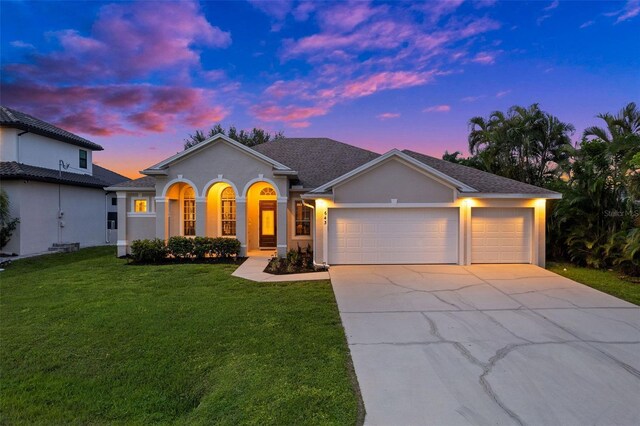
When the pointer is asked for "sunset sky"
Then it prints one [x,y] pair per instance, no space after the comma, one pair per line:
[138,77]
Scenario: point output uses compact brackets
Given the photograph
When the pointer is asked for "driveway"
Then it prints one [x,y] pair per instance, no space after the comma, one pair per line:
[488,344]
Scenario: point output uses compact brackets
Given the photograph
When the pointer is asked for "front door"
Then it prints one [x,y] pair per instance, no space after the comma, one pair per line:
[268,224]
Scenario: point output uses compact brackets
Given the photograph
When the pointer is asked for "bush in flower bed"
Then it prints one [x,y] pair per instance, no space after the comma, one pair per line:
[296,261]
[180,249]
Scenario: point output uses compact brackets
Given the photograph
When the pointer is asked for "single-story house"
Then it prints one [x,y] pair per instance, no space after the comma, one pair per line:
[350,205]
[53,186]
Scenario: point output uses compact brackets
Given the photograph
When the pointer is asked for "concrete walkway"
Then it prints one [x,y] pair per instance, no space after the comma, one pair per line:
[488,344]
[253,269]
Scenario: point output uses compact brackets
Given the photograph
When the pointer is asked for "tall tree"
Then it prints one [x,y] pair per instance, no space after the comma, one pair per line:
[252,138]
[525,143]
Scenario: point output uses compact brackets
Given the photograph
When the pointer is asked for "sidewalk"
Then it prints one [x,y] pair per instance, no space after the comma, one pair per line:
[253,269]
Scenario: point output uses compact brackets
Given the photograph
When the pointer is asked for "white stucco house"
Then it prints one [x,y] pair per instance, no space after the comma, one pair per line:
[352,206]
[53,186]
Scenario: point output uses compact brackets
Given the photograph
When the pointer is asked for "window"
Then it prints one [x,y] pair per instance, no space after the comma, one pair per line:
[228,203]
[268,191]
[83,159]
[140,205]
[112,220]
[303,219]
[114,201]
[189,212]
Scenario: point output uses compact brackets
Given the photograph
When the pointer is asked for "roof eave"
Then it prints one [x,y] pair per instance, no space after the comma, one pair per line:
[548,195]
[154,172]
[130,188]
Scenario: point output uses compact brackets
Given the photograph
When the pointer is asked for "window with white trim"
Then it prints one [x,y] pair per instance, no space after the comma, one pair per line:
[228,211]
[189,212]
[140,205]
[302,219]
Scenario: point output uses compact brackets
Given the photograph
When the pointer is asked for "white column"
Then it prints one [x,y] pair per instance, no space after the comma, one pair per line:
[123,208]
[201,216]
[540,229]
[162,218]
[281,236]
[241,224]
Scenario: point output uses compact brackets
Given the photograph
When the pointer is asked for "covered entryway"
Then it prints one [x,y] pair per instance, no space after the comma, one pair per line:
[393,235]
[501,235]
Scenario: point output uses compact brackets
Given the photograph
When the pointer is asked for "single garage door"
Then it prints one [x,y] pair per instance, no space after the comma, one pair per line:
[501,235]
[393,235]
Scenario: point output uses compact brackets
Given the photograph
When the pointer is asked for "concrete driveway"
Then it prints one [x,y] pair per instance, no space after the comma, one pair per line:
[488,344]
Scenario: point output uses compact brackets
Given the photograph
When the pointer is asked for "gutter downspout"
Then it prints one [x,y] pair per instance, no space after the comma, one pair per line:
[106,216]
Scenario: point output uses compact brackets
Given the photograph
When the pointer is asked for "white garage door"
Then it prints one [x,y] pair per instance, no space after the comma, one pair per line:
[501,235]
[379,236]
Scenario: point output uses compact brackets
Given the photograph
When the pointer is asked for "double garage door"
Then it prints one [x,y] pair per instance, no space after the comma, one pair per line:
[416,235]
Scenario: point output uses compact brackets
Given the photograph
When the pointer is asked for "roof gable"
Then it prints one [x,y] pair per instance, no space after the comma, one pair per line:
[436,174]
[218,138]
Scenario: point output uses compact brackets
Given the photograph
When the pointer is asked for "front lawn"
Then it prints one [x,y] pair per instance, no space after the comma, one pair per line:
[605,281]
[85,338]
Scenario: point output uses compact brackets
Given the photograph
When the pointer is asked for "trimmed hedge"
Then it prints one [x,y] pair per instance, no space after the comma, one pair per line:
[184,248]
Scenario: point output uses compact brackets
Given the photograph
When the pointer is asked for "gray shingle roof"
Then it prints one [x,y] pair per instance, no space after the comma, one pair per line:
[481,181]
[143,182]
[108,176]
[11,170]
[19,120]
[317,160]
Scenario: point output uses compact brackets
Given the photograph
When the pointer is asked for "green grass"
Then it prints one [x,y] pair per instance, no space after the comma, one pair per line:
[605,281]
[86,338]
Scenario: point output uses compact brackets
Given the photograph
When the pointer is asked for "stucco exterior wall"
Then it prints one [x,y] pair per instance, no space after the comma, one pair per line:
[36,204]
[141,228]
[393,179]
[41,151]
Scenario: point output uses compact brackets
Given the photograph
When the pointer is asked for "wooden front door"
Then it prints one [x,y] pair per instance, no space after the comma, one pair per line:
[268,221]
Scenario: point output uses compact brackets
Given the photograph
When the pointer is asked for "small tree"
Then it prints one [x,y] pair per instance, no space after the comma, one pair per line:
[7,224]
[252,138]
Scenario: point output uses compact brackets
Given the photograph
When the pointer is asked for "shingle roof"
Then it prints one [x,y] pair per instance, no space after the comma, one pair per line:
[481,181]
[19,120]
[143,182]
[108,176]
[317,160]
[11,170]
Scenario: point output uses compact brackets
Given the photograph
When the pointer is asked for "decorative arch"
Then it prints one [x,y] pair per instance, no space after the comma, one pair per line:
[245,191]
[178,180]
[267,191]
[212,182]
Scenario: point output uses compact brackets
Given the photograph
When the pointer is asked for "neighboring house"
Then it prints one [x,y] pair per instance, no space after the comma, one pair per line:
[352,206]
[53,186]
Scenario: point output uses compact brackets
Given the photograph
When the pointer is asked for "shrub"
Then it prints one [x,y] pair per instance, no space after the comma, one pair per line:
[148,251]
[180,247]
[203,247]
[225,248]
[7,224]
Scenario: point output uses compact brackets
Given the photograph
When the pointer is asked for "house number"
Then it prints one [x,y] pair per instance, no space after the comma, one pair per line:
[325,217]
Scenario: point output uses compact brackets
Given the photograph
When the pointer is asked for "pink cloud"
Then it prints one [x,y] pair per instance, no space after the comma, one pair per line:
[346,16]
[438,108]
[472,98]
[299,124]
[139,38]
[502,93]
[388,115]
[116,109]
[289,113]
[385,81]
[485,58]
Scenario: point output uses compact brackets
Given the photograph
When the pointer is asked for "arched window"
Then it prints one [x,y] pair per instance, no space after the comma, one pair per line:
[228,203]
[189,212]
[268,191]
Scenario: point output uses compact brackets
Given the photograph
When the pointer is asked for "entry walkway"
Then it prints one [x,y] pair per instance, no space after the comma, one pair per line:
[253,269]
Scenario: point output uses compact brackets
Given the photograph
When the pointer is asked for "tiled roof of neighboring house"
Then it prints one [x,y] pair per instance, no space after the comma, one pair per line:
[19,120]
[143,182]
[481,181]
[317,160]
[107,176]
[11,170]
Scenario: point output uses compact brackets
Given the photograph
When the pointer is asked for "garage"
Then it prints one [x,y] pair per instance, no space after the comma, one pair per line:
[392,235]
[501,235]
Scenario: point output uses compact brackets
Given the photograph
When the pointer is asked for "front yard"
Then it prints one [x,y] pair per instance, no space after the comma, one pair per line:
[605,281]
[86,338]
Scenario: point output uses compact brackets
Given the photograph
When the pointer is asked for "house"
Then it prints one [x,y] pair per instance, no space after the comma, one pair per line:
[352,206]
[53,186]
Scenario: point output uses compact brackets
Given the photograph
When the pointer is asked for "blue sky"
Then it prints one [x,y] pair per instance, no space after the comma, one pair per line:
[137,77]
